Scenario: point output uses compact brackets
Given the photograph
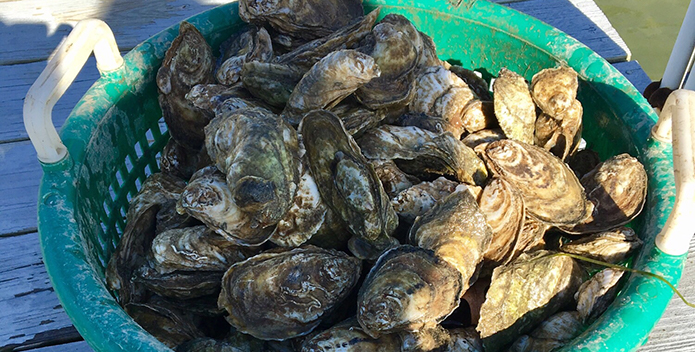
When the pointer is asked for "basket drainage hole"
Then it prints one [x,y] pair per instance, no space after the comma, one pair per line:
[50,198]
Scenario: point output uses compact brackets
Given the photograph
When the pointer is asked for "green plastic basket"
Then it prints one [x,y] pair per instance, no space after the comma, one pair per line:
[114,135]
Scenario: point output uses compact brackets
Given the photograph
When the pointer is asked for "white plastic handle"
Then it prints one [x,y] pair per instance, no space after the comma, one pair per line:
[675,237]
[87,36]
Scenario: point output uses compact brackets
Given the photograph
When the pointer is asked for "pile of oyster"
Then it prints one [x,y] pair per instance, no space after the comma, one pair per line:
[330,184]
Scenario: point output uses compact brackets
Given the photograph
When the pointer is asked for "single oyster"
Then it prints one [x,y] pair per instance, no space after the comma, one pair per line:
[258,153]
[553,333]
[618,189]
[478,115]
[273,83]
[456,231]
[208,198]
[474,80]
[551,191]
[560,136]
[434,124]
[514,107]
[408,289]
[157,191]
[277,296]
[524,293]
[187,62]
[479,140]
[596,294]
[420,198]
[328,82]
[357,119]
[422,153]
[182,162]
[345,179]
[612,246]
[253,44]
[392,178]
[183,285]
[504,211]
[307,19]
[464,340]
[348,336]
[554,89]
[169,326]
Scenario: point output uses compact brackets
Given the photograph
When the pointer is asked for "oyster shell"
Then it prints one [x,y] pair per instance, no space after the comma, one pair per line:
[530,237]
[514,107]
[328,82]
[553,333]
[258,153]
[525,292]
[218,99]
[434,124]
[504,210]
[618,189]
[612,246]
[420,198]
[478,115]
[357,119]
[456,230]
[179,284]
[554,89]
[479,140]
[277,296]
[187,62]
[208,198]
[392,178]
[169,326]
[596,294]
[168,218]
[182,162]
[253,44]
[435,338]
[422,153]
[474,80]
[348,336]
[583,161]
[464,340]
[560,136]
[270,82]
[551,191]
[344,178]
[408,289]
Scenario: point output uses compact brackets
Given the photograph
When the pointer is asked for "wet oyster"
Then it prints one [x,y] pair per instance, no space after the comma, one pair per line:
[272,83]
[182,162]
[618,189]
[560,136]
[328,82]
[504,211]
[169,326]
[530,237]
[551,191]
[611,246]
[187,62]
[168,218]
[392,178]
[346,181]
[277,296]
[524,293]
[434,124]
[408,289]
[253,44]
[208,198]
[554,90]
[348,336]
[596,294]
[474,80]
[478,115]
[553,333]
[479,140]
[423,153]
[179,284]
[258,153]
[514,107]
[218,99]
[357,119]
[420,198]
[435,338]
[456,231]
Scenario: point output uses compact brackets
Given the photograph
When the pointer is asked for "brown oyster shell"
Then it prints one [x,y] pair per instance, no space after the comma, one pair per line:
[431,123]
[392,178]
[187,62]
[253,44]
[560,136]
[551,191]
[504,211]
[514,107]
[408,289]
[348,336]
[474,80]
[531,236]
[182,162]
[618,189]
[479,140]
[554,89]
[596,294]
[328,82]
[612,246]
[524,293]
[277,296]
[553,333]
[464,340]
[420,198]
[434,338]
[456,230]
[258,154]
[478,115]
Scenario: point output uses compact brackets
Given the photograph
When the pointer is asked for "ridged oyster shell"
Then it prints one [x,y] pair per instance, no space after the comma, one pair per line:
[596,294]
[420,198]
[554,89]
[504,211]
[611,246]
[514,107]
[348,336]
[253,44]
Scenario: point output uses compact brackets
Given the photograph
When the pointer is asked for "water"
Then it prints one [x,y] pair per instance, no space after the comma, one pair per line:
[649,28]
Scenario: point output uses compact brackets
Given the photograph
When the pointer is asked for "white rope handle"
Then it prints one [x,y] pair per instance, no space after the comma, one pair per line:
[87,36]
[675,237]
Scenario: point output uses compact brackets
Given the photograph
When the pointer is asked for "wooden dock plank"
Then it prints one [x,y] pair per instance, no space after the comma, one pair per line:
[20,173]
[80,346]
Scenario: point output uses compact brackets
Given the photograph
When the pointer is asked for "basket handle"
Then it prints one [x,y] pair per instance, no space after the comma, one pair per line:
[87,36]
[675,237]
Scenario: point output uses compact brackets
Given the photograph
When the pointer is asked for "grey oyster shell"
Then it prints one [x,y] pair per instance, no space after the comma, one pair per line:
[392,178]
[551,191]
[504,211]
[168,325]
[457,232]
[420,198]
[182,162]
[207,197]
[277,296]
[612,246]
[524,293]
[348,336]
[434,124]
[253,44]
[596,294]
[346,181]
[183,285]
[553,333]
[328,82]
[187,62]
[408,289]
[423,153]
[618,189]
[270,82]
[554,89]
[259,155]
[358,119]
[514,107]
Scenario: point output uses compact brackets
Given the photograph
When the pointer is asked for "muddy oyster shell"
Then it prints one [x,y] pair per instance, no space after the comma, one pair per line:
[328,82]
[524,293]
[457,232]
[187,62]
[420,198]
[504,211]
[277,296]
[270,82]
[423,153]
[596,294]
[514,107]
[253,44]
[551,191]
[345,179]
[618,189]
[258,153]
[408,289]
[554,89]
[611,246]
[348,336]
